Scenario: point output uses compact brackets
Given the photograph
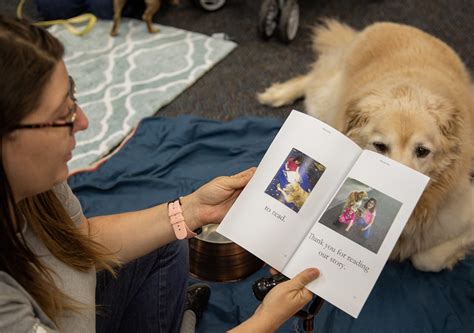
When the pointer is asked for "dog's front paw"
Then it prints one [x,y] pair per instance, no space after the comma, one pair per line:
[114,30]
[430,261]
[426,263]
[153,30]
[275,96]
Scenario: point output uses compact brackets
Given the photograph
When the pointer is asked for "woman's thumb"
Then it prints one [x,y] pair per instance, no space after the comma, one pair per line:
[246,173]
[306,276]
[241,179]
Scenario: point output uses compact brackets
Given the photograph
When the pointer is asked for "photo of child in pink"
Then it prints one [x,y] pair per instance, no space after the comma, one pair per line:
[348,215]
[349,212]
[367,217]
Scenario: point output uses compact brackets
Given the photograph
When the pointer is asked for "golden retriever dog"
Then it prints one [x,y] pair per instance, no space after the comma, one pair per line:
[354,200]
[404,93]
[152,6]
[294,193]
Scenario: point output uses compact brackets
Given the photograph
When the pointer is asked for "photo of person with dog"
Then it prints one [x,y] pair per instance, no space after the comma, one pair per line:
[295,179]
[353,210]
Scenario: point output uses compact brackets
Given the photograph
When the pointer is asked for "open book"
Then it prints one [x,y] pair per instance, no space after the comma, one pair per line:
[319,200]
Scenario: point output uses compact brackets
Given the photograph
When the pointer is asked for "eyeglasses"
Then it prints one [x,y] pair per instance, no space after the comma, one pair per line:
[71,117]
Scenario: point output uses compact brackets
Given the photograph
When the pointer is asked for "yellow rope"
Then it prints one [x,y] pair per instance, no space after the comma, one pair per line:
[19,9]
[68,23]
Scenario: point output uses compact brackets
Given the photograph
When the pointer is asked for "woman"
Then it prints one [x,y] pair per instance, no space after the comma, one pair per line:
[49,251]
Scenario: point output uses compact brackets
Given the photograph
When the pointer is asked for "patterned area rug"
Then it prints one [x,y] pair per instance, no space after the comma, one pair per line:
[124,79]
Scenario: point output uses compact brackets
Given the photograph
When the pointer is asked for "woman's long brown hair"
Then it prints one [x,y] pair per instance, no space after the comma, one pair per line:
[28,57]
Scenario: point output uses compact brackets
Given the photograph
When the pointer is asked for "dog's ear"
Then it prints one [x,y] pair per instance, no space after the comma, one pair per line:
[450,126]
[355,117]
[448,118]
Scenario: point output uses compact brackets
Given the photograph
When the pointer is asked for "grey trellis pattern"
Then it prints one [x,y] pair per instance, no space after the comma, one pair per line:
[124,79]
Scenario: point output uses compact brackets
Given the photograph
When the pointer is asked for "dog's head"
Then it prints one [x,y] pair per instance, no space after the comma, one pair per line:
[355,197]
[362,195]
[410,124]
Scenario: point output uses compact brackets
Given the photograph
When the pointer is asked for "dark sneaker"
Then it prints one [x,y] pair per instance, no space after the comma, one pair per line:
[197,298]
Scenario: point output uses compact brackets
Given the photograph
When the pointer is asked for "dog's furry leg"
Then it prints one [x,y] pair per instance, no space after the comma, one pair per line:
[152,7]
[118,6]
[322,85]
[445,255]
[450,237]
[285,93]
[472,133]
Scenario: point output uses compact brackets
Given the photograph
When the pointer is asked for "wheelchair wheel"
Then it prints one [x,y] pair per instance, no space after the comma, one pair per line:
[289,21]
[268,18]
[210,5]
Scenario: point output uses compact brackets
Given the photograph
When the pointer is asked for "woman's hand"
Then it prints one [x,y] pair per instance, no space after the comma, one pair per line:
[287,298]
[210,202]
[282,302]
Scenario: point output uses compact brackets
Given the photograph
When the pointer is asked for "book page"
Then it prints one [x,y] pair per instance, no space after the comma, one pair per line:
[293,183]
[354,237]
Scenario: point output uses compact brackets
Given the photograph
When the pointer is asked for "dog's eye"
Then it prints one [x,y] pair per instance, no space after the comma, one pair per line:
[380,147]
[422,152]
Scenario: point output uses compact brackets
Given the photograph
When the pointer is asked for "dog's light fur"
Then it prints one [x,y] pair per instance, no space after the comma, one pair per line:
[294,193]
[354,199]
[395,85]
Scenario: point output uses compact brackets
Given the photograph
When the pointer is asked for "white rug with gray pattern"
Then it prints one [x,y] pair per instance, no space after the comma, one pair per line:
[122,79]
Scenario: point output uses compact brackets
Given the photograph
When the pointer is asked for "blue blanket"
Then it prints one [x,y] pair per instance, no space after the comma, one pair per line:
[168,157]
[60,9]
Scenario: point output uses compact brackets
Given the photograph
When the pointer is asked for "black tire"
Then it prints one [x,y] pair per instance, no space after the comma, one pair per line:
[268,18]
[289,21]
[210,5]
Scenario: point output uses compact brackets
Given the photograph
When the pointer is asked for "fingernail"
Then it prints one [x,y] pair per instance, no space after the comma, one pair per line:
[313,272]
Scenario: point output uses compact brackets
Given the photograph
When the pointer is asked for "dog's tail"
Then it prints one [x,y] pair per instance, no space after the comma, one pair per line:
[331,34]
